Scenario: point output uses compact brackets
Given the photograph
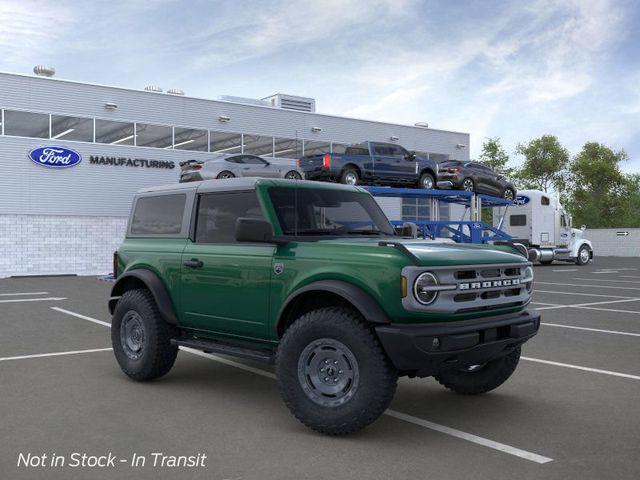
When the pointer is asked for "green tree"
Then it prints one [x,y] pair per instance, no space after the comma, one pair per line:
[600,194]
[545,164]
[494,156]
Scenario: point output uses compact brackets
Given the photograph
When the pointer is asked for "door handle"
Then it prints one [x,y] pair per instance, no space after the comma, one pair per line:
[193,263]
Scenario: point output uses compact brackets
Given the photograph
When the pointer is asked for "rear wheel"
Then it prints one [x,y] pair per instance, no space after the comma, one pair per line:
[427,181]
[477,379]
[141,339]
[293,175]
[332,372]
[584,255]
[225,174]
[468,185]
[349,176]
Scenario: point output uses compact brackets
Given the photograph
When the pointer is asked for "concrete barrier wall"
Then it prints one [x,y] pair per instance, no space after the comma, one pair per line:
[614,242]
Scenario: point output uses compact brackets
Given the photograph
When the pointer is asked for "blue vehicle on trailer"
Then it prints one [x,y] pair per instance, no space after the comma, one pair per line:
[372,163]
[473,230]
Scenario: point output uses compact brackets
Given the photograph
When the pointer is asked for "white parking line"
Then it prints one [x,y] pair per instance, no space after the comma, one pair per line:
[27,293]
[615,332]
[588,305]
[581,294]
[605,280]
[579,367]
[587,286]
[83,317]
[566,270]
[629,276]
[533,457]
[47,299]
[611,310]
[55,354]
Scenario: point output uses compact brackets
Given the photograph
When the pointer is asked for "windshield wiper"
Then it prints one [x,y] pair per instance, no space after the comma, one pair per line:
[364,232]
[314,231]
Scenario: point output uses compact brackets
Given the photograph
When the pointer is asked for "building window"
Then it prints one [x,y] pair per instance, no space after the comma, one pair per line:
[226,142]
[287,148]
[257,145]
[159,215]
[26,124]
[157,136]
[190,139]
[71,128]
[316,148]
[115,133]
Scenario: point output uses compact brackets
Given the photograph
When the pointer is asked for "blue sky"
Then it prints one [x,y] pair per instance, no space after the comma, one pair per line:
[515,69]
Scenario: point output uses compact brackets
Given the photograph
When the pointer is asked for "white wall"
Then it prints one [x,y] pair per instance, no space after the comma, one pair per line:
[57,245]
[608,243]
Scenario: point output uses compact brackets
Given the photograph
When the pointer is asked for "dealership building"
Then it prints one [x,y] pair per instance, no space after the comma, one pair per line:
[70,220]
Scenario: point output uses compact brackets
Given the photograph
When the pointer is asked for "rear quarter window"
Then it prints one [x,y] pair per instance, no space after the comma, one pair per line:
[158,215]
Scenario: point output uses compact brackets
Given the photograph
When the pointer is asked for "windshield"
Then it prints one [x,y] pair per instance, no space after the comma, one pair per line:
[306,211]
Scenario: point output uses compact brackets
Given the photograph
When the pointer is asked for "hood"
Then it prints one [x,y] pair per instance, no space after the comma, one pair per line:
[440,253]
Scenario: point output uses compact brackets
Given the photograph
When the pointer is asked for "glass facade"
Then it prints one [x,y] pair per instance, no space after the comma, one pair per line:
[116,132]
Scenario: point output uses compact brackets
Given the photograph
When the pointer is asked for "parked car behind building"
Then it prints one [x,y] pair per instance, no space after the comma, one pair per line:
[238,165]
[474,177]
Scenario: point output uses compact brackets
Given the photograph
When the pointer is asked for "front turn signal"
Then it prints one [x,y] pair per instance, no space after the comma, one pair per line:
[404,286]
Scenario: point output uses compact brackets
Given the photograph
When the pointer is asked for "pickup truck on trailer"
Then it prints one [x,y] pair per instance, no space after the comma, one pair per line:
[312,277]
[372,163]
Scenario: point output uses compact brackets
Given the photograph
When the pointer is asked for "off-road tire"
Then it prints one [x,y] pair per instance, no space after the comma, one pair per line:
[490,376]
[157,353]
[377,376]
[225,174]
[424,178]
[345,176]
[579,260]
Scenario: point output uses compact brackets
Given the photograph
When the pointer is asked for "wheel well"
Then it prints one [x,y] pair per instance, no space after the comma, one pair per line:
[429,171]
[353,166]
[307,302]
[129,283]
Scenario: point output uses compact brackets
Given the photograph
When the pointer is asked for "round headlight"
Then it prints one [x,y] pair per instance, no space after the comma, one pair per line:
[423,288]
[528,278]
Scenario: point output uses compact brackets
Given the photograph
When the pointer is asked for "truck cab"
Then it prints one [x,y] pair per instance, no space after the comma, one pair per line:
[539,221]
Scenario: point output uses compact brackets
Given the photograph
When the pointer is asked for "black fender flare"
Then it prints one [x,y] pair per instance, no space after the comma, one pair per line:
[153,283]
[361,300]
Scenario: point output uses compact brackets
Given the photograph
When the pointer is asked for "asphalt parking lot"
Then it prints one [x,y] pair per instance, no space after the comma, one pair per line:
[571,410]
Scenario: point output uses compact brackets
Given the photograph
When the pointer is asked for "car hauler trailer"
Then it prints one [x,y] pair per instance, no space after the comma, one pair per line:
[538,220]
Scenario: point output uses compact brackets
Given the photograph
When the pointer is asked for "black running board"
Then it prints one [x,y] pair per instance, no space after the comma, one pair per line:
[211,346]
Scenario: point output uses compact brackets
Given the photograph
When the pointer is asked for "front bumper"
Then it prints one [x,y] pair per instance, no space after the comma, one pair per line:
[427,349]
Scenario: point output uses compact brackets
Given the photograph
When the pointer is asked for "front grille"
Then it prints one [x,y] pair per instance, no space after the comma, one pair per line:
[472,288]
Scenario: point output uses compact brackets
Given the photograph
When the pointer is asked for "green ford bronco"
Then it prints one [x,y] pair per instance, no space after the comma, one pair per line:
[313,278]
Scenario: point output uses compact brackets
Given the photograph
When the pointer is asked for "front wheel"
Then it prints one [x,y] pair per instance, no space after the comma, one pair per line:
[483,378]
[584,255]
[508,194]
[332,372]
[427,181]
[141,339]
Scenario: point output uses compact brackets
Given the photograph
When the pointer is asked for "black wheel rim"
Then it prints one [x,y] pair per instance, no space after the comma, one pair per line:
[132,337]
[467,185]
[508,194]
[328,372]
[293,176]
[225,175]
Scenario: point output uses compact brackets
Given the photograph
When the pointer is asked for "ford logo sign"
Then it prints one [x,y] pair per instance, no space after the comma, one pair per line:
[55,157]
[521,200]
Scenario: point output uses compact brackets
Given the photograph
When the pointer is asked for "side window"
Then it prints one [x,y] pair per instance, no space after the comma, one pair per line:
[517,220]
[253,160]
[238,159]
[544,201]
[563,221]
[382,150]
[218,212]
[159,215]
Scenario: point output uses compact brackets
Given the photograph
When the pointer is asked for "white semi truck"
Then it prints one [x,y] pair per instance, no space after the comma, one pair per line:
[537,220]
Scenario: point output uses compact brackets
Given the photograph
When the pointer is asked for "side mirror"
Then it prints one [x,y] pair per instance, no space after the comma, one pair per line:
[407,229]
[410,156]
[253,230]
